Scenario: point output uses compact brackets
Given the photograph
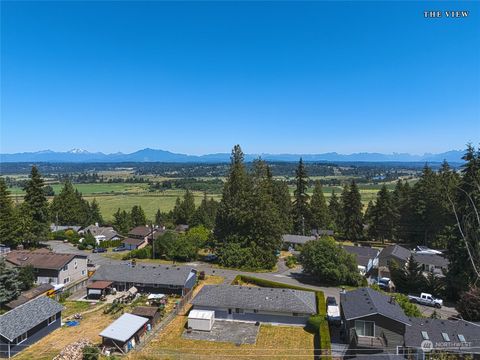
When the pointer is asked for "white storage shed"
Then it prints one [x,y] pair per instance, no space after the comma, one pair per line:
[201,319]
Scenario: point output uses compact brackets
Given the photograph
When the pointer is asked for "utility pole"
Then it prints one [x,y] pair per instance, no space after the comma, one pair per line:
[303,225]
[153,244]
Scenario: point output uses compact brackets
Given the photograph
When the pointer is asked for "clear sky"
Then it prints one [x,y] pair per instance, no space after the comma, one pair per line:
[277,77]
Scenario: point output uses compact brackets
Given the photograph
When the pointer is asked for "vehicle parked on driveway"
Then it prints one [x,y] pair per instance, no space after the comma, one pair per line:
[333,311]
[99,250]
[426,299]
[120,248]
[385,284]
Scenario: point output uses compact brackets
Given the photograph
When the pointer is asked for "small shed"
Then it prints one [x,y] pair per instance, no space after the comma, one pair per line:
[124,333]
[152,313]
[98,289]
[201,319]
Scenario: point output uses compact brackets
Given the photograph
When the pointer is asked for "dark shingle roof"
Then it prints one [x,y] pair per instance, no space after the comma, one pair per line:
[362,253]
[396,251]
[431,259]
[366,301]
[297,239]
[435,328]
[145,311]
[41,259]
[24,317]
[29,295]
[256,298]
[131,241]
[140,231]
[144,274]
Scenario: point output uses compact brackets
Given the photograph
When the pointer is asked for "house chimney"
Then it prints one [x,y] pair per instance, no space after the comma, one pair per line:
[392,299]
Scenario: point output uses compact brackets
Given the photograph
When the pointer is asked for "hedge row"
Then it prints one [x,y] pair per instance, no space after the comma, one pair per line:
[110,243]
[317,323]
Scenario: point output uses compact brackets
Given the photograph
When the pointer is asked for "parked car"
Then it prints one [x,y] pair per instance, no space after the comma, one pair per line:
[210,257]
[99,250]
[426,299]
[333,311]
[120,248]
[385,284]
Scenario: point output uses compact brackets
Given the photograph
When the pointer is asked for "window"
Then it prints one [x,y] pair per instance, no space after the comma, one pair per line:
[255,311]
[75,265]
[66,280]
[65,268]
[461,338]
[84,272]
[445,337]
[295,314]
[21,338]
[52,319]
[425,335]
[238,311]
[365,328]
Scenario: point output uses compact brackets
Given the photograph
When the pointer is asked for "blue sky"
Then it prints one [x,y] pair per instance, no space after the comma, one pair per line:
[277,77]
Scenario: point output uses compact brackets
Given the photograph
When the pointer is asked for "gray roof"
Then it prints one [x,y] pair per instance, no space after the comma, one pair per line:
[144,274]
[297,239]
[322,232]
[26,316]
[382,356]
[366,301]
[396,251]
[431,259]
[124,327]
[362,253]
[435,328]
[256,298]
[106,231]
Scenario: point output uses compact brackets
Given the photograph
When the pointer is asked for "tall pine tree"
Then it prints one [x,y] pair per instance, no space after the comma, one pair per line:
[320,218]
[352,212]
[8,221]
[301,213]
[35,209]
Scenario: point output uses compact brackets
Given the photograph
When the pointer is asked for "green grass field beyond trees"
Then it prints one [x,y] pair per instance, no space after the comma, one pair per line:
[112,196]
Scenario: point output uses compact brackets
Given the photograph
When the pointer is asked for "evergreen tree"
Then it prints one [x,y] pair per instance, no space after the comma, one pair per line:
[382,216]
[36,208]
[405,220]
[335,211]
[95,213]
[320,218]
[122,221]
[69,207]
[205,214]
[10,286]
[184,210]
[8,221]
[352,212]
[26,277]
[301,214]
[137,216]
[283,202]
[232,210]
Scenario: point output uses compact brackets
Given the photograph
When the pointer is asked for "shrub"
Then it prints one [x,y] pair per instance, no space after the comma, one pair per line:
[143,253]
[90,353]
[64,296]
[469,304]
[313,323]
[291,261]
[110,243]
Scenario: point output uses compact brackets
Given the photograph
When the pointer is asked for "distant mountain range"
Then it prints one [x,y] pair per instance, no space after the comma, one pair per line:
[152,155]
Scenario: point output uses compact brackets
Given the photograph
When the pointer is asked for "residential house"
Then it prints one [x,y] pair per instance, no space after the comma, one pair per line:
[124,333]
[432,263]
[364,257]
[25,296]
[139,237]
[293,242]
[182,228]
[322,232]
[451,336]
[148,278]
[55,227]
[372,322]
[28,323]
[101,233]
[391,253]
[67,270]
[152,313]
[252,304]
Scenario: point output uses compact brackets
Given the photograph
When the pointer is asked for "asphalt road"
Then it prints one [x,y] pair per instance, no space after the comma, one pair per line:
[283,274]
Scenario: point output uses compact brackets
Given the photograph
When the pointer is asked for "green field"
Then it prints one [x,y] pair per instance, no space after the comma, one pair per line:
[112,196]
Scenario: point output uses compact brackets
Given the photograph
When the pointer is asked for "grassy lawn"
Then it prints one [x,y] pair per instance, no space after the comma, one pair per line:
[89,328]
[74,307]
[273,342]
